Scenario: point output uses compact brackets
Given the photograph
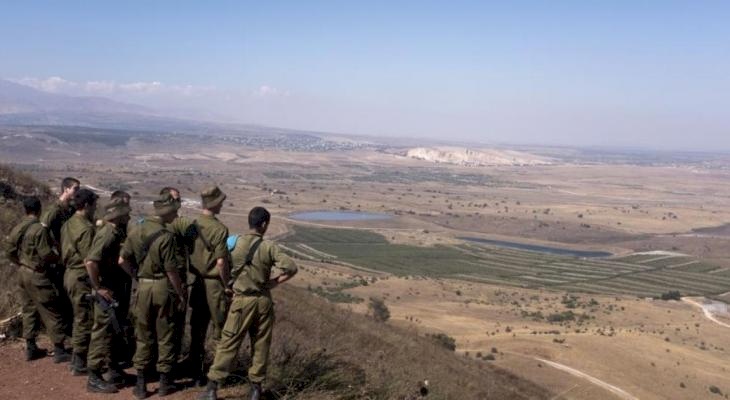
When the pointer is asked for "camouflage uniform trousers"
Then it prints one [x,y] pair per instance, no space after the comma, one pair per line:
[249,314]
[208,303]
[39,297]
[78,291]
[155,309]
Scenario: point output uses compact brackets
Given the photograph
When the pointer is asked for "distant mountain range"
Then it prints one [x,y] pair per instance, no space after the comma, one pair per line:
[20,99]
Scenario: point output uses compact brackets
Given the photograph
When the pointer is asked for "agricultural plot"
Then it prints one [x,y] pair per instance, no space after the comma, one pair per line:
[639,274]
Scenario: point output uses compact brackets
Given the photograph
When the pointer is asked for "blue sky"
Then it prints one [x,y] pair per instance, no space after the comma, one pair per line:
[633,73]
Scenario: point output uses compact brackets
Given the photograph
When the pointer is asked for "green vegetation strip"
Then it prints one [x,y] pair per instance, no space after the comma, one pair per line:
[640,275]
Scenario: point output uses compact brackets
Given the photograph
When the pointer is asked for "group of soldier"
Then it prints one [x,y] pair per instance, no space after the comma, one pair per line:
[118,289]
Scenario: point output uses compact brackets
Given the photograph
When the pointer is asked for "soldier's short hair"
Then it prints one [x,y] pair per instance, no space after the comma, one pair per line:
[69,182]
[168,189]
[257,217]
[120,194]
[84,198]
[32,205]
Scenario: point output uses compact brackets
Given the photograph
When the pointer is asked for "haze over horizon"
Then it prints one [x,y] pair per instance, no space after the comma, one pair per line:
[655,74]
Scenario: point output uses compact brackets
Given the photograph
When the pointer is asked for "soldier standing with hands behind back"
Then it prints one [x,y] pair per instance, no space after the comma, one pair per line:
[208,297]
[160,293]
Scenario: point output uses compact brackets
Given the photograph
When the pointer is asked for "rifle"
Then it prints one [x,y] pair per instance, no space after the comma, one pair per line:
[107,306]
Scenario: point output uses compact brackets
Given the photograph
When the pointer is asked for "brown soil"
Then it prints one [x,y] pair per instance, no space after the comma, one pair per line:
[42,379]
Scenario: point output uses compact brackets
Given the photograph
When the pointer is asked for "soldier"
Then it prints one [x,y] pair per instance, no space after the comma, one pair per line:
[53,219]
[102,267]
[252,310]
[208,297]
[77,234]
[184,230]
[122,287]
[59,212]
[160,292]
[30,246]
[117,194]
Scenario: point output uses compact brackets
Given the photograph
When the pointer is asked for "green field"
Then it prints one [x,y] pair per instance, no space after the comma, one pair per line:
[639,274]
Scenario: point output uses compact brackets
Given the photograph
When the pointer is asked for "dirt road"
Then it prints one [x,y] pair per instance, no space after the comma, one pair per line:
[580,374]
[706,311]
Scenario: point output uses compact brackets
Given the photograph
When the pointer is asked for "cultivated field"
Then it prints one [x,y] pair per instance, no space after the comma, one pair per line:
[643,275]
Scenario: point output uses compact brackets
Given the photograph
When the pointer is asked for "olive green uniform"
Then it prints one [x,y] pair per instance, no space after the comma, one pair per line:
[105,252]
[184,230]
[77,235]
[156,302]
[207,297]
[53,218]
[30,246]
[252,310]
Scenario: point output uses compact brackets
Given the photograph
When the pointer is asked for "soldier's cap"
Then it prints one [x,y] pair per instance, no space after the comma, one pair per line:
[212,197]
[165,204]
[116,208]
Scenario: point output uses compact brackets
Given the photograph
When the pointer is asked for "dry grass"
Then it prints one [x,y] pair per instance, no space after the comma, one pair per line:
[323,351]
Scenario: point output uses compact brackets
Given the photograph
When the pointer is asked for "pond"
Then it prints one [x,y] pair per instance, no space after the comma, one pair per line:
[339,216]
[540,249]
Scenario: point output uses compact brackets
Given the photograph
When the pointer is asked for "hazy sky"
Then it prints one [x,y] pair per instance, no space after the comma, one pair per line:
[643,73]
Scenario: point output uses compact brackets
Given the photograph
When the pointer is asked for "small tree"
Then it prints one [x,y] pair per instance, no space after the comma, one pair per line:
[378,309]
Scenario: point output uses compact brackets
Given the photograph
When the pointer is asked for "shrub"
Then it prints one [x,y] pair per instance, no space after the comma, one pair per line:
[671,295]
[444,340]
[378,310]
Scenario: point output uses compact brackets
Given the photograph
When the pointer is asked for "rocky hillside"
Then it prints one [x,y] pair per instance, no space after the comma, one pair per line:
[475,157]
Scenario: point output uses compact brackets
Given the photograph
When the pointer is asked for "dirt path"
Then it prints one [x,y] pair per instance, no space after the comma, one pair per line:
[42,379]
[706,311]
[580,374]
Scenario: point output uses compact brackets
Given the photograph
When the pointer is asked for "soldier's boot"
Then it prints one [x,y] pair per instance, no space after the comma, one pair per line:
[32,352]
[119,378]
[211,391]
[255,393]
[140,389]
[167,386]
[60,354]
[97,384]
[78,364]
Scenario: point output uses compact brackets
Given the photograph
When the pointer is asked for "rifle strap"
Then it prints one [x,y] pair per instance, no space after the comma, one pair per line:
[202,237]
[22,232]
[149,241]
[252,252]
[21,236]
[248,260]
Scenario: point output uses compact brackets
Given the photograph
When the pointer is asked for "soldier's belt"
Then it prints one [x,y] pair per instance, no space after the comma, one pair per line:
[151,280]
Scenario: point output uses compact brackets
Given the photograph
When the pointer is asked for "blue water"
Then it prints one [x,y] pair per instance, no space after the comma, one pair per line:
[540,249]
[339,216]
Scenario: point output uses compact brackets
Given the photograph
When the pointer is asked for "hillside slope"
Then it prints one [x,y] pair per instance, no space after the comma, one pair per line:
[320,351]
